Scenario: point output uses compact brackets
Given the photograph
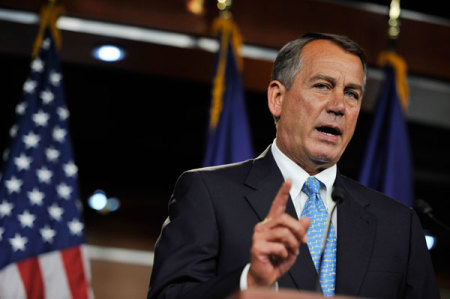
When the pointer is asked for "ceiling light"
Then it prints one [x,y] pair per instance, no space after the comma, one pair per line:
[98,200]
[109,53]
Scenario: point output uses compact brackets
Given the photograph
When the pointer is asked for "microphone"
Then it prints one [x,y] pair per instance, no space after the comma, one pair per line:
[424,207]
[337,195]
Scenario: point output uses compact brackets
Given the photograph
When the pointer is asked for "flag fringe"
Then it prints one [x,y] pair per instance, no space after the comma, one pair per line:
[400,69]
[227,31]
[49,16]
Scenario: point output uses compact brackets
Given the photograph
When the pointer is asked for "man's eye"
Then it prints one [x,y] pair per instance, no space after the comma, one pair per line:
[352,94]
[320,86]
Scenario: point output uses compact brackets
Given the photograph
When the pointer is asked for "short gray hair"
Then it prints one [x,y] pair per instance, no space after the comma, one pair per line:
[289,59]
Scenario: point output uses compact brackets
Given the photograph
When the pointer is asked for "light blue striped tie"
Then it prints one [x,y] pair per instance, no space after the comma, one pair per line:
[315,210]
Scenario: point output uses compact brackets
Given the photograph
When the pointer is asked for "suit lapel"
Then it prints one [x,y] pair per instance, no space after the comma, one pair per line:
[356,235]
[265,179]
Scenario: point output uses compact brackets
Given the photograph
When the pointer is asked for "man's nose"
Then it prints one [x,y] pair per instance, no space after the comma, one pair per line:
[336,104]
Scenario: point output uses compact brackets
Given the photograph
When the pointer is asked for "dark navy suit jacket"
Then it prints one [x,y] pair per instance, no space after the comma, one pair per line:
[205,242]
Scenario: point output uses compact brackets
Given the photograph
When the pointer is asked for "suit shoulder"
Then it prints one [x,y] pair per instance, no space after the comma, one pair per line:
[372,196]
[234,169]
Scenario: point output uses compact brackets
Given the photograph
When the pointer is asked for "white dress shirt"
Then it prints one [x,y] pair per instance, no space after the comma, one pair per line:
[290,170]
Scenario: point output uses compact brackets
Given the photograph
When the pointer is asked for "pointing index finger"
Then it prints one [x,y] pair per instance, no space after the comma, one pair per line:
[279,203]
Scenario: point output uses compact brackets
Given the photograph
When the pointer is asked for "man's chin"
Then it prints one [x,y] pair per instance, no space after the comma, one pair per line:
[324,160]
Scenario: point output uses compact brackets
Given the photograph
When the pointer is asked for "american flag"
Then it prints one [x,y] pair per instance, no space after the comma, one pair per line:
[41,228]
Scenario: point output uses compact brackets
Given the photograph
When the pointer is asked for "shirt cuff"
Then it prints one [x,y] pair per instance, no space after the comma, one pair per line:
[243,281]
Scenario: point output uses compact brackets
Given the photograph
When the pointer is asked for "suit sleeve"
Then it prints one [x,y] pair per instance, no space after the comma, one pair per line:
[187,248]
[420,279]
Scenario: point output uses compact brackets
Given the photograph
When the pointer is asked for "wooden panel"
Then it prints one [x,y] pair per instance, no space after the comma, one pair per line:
[117,280]
[425,46]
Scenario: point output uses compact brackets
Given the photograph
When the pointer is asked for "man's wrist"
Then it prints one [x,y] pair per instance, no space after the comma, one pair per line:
[243,281]
[244,285]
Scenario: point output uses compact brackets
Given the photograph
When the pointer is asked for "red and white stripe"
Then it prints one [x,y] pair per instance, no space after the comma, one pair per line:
[58,274]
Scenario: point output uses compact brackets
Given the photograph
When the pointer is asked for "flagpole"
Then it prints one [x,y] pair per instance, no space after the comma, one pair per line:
[224,7]
[391,57]
[394,23]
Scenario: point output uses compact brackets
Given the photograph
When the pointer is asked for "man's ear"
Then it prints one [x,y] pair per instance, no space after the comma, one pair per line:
[275,95]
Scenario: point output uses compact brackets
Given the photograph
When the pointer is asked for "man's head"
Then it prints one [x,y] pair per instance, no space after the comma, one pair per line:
[315,96]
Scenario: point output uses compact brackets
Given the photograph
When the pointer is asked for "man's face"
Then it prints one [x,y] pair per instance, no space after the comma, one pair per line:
[317,116]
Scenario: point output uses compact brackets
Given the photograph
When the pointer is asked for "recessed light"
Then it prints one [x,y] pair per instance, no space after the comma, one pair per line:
[98,200]
[109,53]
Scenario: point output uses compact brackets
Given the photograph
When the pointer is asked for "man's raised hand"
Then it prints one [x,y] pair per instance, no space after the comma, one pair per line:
[276,242]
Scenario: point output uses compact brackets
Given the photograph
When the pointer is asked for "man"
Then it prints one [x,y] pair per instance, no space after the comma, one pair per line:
[233,227]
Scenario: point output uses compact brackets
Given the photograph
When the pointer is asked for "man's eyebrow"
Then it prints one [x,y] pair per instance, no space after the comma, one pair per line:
[322,77]
[354,86]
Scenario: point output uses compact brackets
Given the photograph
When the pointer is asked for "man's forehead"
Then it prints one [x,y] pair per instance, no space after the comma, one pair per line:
[324,48]
[323,58]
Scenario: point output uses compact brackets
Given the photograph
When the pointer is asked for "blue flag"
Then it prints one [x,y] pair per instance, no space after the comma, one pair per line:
[229,137]
[41,225]
[387,165]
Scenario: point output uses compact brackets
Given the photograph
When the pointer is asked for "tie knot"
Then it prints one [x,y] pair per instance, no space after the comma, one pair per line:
[311,186]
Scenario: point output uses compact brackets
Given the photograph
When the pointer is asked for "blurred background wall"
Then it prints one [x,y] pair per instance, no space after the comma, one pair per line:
[136,124]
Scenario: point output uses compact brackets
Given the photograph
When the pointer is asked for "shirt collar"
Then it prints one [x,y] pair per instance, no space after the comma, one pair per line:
[289,169]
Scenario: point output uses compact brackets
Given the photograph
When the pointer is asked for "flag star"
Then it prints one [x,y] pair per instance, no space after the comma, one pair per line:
[47,234]
[26,219]
[55,78]
[47,96]
[1,233]
[64,190]
[5,209]
[18,242]
[46,43]
[13,185]
[31,140]
[20,108]
[29,86]
[41,118]
[76,227]
[44,175]
[52,154]
[22,162]
[59,134]
[55,212]
[70,169]
[37,65]
[13,131]
[36,196]
[63,113]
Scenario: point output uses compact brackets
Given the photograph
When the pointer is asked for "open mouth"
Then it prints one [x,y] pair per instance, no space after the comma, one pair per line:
[330,131]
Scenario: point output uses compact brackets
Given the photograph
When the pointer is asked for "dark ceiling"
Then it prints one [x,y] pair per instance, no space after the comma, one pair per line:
[137,124]
[431,8]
